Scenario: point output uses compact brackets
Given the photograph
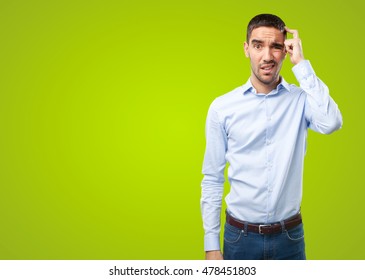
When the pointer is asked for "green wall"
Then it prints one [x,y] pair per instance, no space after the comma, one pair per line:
[102,114]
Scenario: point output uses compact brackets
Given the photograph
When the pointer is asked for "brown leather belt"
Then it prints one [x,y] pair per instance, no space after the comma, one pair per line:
[265,228]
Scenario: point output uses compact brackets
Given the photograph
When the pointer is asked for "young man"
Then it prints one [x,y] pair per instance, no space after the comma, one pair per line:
[260,129]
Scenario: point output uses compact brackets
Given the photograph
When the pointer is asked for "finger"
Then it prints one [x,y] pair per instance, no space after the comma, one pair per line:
[289,43]
[289,49]
[292,31]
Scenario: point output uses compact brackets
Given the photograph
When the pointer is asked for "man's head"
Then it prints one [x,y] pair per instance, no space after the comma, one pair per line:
[265,47]
[267,20]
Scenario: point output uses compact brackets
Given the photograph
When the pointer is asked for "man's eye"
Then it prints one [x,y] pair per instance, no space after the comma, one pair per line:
[257,47]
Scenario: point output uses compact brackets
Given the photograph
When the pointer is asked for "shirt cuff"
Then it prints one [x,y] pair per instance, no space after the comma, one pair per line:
[211,243]
[302,70]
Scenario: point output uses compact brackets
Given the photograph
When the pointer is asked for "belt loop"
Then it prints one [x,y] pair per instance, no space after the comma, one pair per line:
[245,230]
[283,230]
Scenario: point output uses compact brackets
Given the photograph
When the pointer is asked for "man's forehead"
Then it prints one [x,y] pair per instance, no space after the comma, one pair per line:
[264,33]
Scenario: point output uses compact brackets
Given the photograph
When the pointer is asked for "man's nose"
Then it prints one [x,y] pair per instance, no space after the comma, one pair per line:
[267,55]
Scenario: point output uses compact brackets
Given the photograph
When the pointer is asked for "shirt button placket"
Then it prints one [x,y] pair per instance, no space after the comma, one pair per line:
[269,157]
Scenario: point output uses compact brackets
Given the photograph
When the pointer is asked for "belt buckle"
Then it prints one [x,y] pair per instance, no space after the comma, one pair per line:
[261,226]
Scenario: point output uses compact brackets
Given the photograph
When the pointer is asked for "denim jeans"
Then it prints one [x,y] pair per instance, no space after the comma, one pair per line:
[286,245]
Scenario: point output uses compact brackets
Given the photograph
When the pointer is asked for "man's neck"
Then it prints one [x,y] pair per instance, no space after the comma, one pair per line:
[264,88]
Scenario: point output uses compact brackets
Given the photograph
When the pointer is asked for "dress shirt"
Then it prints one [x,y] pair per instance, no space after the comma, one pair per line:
[263,139]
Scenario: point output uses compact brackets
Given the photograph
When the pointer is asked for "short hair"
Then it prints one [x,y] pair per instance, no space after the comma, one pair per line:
[267,20]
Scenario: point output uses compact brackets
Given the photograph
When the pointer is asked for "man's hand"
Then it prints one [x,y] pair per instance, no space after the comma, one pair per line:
[294,47]
[213,255]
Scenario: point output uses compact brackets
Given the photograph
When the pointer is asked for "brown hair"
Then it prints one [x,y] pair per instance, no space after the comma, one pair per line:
[267,20]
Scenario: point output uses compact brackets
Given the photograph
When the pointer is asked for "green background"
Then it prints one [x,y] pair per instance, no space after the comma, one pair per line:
[102,115]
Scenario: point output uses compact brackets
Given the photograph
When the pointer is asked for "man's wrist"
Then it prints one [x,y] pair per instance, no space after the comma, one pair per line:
[299,61]
[213,255]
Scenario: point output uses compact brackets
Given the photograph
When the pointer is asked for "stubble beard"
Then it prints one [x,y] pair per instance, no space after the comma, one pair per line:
[274,79]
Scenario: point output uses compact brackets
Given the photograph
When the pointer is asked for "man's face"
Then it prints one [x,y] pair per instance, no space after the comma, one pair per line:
[266,52]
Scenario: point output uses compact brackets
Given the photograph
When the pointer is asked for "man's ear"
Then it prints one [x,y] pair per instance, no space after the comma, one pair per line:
[245,47]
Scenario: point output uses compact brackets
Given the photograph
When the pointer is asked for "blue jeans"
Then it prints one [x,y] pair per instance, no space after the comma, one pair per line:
[286,245]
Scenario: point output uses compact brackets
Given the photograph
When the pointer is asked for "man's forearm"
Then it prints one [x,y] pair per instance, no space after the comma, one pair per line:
[211,205]
[321,110]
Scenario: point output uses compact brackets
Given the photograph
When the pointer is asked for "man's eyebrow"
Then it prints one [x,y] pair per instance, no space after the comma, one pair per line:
[256,41]
[277,45]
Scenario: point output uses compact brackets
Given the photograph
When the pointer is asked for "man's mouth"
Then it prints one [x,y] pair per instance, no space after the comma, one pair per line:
[267,68]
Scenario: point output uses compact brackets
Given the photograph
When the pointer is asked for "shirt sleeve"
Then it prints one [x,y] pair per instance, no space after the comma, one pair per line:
[321,112]
[213,181]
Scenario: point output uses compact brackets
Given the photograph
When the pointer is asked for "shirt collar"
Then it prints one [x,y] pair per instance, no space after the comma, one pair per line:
[248,87]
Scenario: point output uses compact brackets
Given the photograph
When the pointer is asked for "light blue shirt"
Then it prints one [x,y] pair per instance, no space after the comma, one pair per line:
[263,139]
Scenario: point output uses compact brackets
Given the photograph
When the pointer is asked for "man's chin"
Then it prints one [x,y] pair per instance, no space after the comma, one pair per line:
[267,81]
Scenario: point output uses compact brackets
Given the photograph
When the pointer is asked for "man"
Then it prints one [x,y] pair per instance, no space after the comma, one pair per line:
[260,129]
